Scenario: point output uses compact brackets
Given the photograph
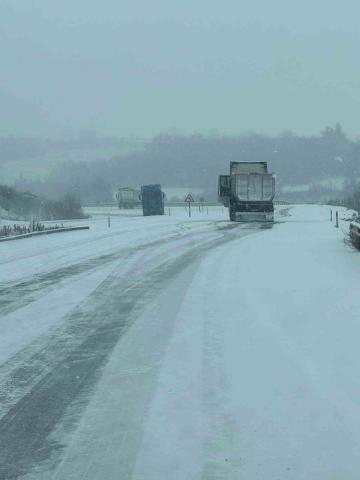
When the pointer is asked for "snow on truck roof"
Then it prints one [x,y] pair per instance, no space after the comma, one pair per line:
[248,167]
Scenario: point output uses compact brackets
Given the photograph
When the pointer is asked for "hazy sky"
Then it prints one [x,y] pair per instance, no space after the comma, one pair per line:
[140,67]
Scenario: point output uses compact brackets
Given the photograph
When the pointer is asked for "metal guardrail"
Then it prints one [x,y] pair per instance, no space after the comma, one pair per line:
[43,232]
[176,204]
[166,204]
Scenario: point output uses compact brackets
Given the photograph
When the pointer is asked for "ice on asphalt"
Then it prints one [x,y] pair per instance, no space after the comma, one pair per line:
[27,260]
[19,260]
[246,366]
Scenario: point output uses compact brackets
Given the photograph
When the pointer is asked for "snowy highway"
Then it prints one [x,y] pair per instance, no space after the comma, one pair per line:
[169,348]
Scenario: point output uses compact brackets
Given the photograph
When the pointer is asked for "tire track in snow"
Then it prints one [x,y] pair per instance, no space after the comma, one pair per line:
[14,295]
[92,332]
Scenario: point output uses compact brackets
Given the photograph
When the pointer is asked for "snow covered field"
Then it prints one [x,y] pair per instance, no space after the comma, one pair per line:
[189,349]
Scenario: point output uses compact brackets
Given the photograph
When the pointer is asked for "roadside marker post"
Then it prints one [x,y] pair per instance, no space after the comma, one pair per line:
[109,221]
[331,216]
[189,200]
[337,219]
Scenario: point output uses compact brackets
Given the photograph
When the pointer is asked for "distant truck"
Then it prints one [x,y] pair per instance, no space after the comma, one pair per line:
[152,199]
[128,197]
[248,192]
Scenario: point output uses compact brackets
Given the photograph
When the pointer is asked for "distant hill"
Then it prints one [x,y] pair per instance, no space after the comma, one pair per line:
[25,206]
[34,158]
[306,167]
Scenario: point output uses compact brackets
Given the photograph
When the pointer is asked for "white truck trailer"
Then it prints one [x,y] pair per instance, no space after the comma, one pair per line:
[128,197]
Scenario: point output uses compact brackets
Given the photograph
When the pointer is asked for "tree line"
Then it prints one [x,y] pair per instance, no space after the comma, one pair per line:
[195,161]
[26,205]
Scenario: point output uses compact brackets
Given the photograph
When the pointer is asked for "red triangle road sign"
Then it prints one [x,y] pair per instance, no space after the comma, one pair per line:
[189,198]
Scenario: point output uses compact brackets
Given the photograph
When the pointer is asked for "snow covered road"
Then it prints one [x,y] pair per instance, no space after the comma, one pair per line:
[189,350]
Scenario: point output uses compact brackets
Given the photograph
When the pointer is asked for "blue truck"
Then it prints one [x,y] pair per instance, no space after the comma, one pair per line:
[152,199]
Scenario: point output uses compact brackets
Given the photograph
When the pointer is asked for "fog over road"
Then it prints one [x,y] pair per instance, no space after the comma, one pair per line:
[177,348]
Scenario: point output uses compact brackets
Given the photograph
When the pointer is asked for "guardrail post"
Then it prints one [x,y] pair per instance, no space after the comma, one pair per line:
[337,219]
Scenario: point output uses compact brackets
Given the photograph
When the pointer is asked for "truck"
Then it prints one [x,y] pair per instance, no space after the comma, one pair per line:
[128,197]
[152,199]
[354,232]
[248,192]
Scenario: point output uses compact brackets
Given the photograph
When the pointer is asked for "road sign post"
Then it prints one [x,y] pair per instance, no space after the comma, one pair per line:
[189,200]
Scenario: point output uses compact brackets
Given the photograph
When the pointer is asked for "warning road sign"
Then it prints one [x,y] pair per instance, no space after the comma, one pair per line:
[189,198]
